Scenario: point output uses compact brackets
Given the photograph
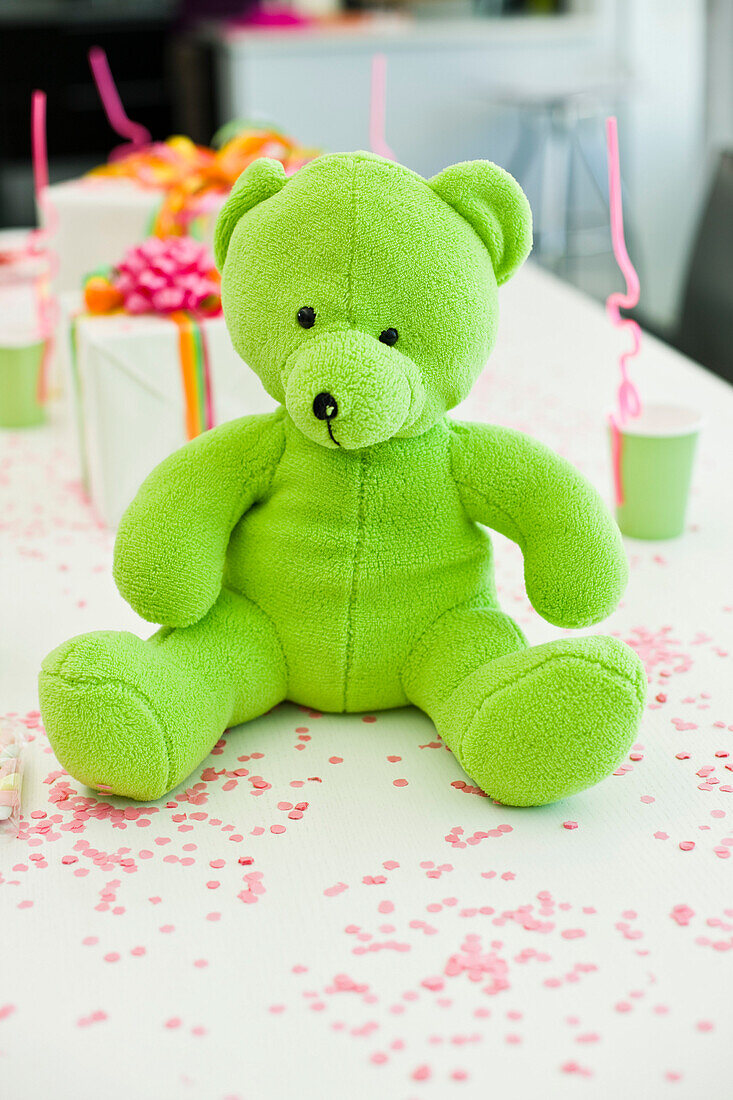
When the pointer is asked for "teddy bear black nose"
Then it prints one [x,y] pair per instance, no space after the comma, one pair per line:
[324,406]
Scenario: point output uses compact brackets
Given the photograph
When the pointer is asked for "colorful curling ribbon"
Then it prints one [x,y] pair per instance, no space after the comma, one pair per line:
[193,177]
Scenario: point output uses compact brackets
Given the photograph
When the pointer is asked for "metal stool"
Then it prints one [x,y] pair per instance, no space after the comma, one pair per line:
[560,161]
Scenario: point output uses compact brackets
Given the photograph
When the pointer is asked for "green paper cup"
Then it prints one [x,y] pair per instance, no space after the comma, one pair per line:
[20,367]
[657,454]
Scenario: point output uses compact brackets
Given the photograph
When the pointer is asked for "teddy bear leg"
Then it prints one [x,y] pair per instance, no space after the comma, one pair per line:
[135,717]
[531,725]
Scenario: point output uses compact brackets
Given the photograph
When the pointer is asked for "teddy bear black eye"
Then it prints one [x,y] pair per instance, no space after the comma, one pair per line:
[306,317]
[389,336]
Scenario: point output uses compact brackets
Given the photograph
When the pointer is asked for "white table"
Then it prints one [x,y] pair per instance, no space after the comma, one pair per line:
[144,955]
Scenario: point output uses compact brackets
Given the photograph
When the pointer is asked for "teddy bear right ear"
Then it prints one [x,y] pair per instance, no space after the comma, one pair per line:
[260,180]
[494,204]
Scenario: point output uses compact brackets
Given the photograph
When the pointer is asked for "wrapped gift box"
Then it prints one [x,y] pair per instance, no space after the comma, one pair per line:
[126,385]
[98,218]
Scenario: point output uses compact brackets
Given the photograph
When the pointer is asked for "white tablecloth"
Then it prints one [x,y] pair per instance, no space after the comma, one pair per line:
[327,909]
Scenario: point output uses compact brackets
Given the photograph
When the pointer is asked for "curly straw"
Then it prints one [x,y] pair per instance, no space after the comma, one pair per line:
[629,402]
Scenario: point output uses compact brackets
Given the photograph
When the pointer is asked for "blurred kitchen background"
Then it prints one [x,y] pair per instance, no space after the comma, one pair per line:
[526,83]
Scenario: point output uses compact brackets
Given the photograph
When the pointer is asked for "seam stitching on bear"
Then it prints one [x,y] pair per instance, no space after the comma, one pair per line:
[267,619]
[614,673]
[467,605]
[405,670]
[264,469]
[521,541]
[352,247]
[354,577]
[461,484]
[283,447]
[134,691]
[362,458]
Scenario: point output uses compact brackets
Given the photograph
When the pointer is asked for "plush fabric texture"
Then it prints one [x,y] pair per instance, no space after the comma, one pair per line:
[489,199]
[333,552]
[359,255]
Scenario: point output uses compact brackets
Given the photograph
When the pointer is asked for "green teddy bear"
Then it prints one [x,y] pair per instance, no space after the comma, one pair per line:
[332,553]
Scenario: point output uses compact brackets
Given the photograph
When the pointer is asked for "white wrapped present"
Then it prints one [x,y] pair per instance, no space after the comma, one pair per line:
[97,218]
[136,398]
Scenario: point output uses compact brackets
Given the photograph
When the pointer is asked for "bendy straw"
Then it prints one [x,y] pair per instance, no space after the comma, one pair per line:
[628,400]
[133,132]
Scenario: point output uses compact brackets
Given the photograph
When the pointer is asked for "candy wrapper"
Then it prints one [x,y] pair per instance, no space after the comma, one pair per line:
[11,773]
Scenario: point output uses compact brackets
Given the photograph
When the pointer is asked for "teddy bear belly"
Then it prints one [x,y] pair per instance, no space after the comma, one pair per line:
[346,617]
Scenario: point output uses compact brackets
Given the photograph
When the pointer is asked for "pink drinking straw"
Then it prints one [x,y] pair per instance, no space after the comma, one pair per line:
[628,400]
[378,107]
[134,132]
[47,305]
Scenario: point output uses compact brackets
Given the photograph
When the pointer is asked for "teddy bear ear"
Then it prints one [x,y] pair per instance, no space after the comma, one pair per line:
[260,180]
[494,204]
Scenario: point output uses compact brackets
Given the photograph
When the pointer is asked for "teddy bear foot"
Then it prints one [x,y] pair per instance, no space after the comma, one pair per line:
[102,727]
[540,724]
[135,717]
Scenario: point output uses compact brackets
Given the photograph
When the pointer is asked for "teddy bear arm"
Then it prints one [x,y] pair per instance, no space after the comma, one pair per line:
[172,540]
[575,567]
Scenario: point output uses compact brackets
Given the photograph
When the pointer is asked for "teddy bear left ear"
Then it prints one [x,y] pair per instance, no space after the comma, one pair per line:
[260,180]
[494,204]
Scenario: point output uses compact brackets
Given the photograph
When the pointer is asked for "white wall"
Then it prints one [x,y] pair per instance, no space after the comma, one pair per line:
[445,80]
[442,81]
[662,137]
[719,75]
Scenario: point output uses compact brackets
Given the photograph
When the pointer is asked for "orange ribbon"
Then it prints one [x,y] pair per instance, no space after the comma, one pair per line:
[188,172]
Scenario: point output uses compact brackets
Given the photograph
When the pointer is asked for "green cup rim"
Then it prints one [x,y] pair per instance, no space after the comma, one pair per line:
[22,345]
[664,420]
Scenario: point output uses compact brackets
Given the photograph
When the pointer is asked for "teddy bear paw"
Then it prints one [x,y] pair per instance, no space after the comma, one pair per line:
[102,727]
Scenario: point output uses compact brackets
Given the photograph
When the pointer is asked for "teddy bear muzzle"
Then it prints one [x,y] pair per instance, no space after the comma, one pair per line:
[348,389]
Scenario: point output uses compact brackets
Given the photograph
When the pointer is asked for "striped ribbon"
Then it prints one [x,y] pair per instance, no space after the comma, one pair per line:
[195,373]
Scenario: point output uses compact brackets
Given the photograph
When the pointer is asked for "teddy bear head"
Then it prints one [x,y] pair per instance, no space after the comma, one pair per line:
[364,296]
